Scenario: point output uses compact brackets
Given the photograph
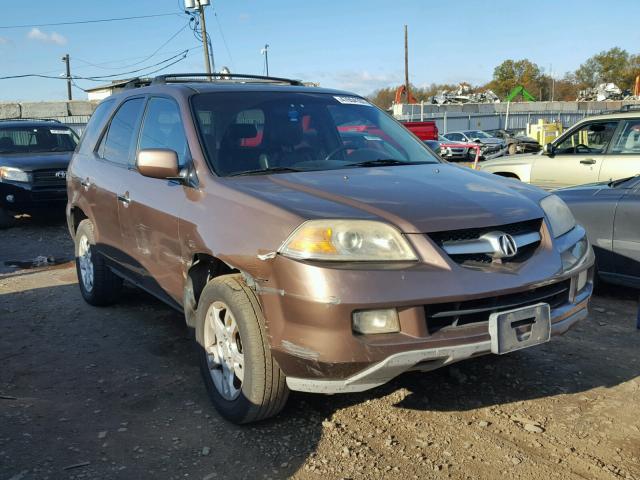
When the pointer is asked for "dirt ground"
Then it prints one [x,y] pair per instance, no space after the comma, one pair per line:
[115,393]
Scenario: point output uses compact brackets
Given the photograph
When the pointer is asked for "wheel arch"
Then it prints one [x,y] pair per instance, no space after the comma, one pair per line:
[203,268]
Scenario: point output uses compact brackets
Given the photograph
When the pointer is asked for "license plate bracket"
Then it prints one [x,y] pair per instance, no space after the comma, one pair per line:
[520,328]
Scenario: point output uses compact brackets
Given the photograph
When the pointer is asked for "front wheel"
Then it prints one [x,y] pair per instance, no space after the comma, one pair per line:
[243,380]
[6,219]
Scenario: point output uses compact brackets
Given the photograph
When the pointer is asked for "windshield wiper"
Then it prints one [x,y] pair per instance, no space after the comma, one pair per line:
[261,171]
[615,183]
[383,162]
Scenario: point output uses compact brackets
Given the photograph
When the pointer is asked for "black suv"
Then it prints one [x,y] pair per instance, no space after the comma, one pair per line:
[34,156]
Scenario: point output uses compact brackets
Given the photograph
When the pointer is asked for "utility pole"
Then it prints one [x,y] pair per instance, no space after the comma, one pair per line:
[406,63]
[265,52]
[205,38]
[66,59]
[199,5]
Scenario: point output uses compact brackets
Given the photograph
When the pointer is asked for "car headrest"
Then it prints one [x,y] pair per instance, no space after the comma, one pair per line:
[240,131]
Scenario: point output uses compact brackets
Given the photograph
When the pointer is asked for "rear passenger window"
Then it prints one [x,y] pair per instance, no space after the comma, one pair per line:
[629,139]
[118,142]
[163,128]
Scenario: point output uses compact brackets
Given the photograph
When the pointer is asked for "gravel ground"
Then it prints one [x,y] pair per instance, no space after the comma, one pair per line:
[115,393]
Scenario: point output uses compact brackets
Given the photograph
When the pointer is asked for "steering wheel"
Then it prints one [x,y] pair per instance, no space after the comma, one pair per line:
[581,145]
[341,148]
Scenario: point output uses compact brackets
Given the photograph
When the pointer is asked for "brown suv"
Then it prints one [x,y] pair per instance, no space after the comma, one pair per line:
[313,243]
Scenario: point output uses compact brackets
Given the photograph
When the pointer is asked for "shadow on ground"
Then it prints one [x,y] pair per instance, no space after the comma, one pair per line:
[116,393]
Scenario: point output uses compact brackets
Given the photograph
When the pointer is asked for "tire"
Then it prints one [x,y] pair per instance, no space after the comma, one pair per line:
[513,149]
[244,352]
[98,284]
[6,219]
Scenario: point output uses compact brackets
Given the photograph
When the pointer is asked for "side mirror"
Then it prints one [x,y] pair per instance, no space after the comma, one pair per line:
[158,163]
[549,149]
[477,140]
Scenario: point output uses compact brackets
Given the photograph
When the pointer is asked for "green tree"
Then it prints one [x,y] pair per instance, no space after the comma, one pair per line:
[511,73]
[612,65]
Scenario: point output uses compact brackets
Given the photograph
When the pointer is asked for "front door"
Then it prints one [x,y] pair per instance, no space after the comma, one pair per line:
[578,156]
[149,208]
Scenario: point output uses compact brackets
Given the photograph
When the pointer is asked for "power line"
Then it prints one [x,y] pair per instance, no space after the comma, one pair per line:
[183,54]
[138,62]
[79,22]
[224,41]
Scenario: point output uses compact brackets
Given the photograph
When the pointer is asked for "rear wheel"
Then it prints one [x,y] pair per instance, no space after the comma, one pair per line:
[98,284]
[243,380]
[513,149]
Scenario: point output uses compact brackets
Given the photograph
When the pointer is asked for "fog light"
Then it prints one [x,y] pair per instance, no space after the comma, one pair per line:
[581,280]
[376,321]
[10,198]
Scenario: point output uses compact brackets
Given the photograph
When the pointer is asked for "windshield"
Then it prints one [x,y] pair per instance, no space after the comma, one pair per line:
[271,132]
[25,139]
[477,134]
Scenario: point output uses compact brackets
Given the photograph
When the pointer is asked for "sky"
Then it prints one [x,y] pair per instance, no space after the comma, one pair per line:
[354,45]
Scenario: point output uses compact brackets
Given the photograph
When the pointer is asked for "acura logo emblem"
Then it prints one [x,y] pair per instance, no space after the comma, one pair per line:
[508,247]
[61,174]
[502,244]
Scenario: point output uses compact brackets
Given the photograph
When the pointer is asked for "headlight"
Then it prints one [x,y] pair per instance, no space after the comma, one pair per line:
[347,240]
[13,174]
[558,214]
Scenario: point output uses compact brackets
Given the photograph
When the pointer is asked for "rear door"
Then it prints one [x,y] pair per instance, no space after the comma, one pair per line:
[149,208]
[578,158]
[623,157]
[104,180]
[626,234]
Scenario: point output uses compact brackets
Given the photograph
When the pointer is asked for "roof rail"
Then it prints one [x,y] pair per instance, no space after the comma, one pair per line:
[630,108]
[218,76]
[29,120]
[137,82]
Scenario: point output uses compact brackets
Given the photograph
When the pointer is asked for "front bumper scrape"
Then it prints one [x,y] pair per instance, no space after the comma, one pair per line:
[423,360]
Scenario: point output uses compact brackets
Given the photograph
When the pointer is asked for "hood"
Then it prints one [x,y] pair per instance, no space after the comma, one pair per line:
[417,199]
[522,159]
[36,161]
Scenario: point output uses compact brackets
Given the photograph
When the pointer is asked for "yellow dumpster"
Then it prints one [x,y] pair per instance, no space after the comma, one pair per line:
[544,132]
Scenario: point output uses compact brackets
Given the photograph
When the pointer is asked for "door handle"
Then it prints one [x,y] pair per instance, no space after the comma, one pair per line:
[589,161]
[124,198]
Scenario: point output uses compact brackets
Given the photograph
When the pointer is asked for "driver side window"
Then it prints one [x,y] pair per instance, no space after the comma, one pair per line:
[591,138]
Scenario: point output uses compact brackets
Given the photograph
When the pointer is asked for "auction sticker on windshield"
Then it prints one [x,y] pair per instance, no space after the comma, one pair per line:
[352,100]
[60,132]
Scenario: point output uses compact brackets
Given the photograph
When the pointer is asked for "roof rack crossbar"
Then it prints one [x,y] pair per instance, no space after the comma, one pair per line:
[175,77]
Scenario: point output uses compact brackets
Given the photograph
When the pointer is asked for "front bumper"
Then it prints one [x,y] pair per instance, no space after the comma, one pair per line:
[308,308]
[25,197]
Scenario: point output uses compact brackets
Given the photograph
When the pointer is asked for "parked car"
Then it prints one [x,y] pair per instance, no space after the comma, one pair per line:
[490,147]
[426,130]
[318,258]
[610,212]
[599,148]
[34,155]
[458,151]
[516,141]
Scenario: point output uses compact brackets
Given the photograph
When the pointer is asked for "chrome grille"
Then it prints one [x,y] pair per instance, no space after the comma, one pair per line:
[48,178]
[468,246]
